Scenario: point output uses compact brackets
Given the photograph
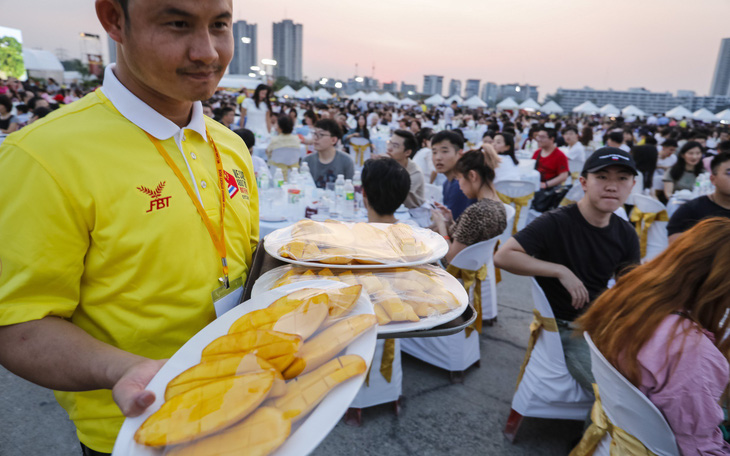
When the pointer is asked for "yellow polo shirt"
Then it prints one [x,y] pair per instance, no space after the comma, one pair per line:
[97,229]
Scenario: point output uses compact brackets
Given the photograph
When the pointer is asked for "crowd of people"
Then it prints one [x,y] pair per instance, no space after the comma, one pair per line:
[78,184]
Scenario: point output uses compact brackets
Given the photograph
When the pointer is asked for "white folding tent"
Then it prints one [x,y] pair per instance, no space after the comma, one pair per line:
[586,107]
[679,113]
[508,103]
[322,94]
[359,95]
[705,115]
[304,93]
[455,98]
[551,107]
[407,102]
[724,116]
[435,100]
[632,110]
[609,110]
[387,97]
[42,64]
[287,91]
[530,105]
[475,102]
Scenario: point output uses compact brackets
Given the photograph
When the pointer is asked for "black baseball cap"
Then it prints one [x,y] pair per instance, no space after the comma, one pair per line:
[609,156]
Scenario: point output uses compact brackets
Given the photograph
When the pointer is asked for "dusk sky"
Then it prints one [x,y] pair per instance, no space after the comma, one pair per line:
[657,44]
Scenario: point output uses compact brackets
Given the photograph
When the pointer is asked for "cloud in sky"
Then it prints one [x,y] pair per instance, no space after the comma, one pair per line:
[657,44]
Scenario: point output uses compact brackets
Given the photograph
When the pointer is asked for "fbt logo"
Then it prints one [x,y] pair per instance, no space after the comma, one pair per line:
[157,200]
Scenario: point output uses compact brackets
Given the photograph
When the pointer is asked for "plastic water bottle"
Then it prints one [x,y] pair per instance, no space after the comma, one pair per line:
[263,182]
[306,181]
[349,210]
[278,178]
[339,195]
[357,183]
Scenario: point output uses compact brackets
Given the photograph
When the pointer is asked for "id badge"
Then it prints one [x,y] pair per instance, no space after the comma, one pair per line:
[225,299]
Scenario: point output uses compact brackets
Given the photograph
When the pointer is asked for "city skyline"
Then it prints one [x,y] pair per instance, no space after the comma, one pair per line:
[529,42]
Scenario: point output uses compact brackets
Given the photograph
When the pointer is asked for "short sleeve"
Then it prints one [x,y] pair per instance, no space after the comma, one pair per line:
[667,177]
[562,163]
[681,220]
[632,256]
[466,230]
[44,242]
[534,237]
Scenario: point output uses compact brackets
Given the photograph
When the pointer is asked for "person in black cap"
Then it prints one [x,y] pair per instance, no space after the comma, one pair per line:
[574,251]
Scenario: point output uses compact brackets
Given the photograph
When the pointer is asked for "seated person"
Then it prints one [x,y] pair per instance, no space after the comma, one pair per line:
[482,220]
[551,162]
[401,147]
[682,175]
[667,157]
[285,138]
[575,250]
[575,150]
[259,165]
[666,334]
[385,185]
[508,168]
[716,204]
[447,147]
[327,163]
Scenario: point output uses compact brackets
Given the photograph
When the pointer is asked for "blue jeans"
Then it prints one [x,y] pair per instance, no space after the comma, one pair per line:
[577,355]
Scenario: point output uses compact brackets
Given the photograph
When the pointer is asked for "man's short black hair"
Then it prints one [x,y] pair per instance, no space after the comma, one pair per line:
[285,123]
[248,137]
[330,126]
[22,109]
[41,112]
[572,128]
[5,101]
[125,8]
[616,136]
[718,160]
[409,141]
[452,137]
[386,184]
[670,143]
[552,134]
[724,146]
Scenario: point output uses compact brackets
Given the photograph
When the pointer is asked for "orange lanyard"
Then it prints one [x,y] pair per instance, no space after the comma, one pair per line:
[219,242]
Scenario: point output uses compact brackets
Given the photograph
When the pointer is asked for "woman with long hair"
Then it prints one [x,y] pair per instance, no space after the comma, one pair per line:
[683,174]
[664,327]
[504,145]
[257,111]
[361,130]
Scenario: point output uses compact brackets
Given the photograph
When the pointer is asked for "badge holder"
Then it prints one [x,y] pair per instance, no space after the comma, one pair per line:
[225,299]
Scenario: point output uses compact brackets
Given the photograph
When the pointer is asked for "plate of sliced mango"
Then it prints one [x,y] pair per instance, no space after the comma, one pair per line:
[360,245]
[271,376]
[403,298]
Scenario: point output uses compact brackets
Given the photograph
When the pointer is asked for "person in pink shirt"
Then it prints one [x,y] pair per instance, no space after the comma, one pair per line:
[663,326]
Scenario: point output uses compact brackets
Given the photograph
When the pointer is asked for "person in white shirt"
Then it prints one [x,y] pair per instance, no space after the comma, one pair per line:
[449,114]
[257,111]
[665,160]
[575,151]
[616,139]
[508,168]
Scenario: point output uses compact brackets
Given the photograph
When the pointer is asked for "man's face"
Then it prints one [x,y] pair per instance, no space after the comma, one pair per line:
[724,136]
[570,137]
[41,103]
[323,140]
[396,150]
[702,141]
[721,179]
[667,151]
[178,49]
[445,155]
[544,140]
[208,111]
[608,188]
[228,118]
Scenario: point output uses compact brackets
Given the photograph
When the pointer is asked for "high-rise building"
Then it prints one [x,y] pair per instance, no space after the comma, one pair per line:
[490,90]
[391,87]
[472,88]
[288,50]
[721,80]
[244,48]
[454,87]
[647,101]
[518,92]
[406,88]
[433,84]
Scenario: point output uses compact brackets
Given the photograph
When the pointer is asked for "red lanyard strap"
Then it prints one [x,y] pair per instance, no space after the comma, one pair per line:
[219,242]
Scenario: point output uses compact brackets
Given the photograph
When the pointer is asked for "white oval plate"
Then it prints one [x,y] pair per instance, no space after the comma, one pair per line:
[273,241]
[264,283]
[305,435]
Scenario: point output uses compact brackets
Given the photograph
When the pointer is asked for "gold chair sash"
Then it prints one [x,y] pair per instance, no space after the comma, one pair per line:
[538,323]
[360,152]
[622,443]
[497,271]
[519,203]
[469,278]
[284,168]
[386,362]
[575,175]
[643,222]
[567,202]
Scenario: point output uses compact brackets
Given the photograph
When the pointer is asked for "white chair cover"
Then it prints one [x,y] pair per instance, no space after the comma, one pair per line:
[628,408]
[287,156]
[434,193]
[474,257]
[516,189]
[575,193]
[507,233]
[637,190]
[547,389]
[379,391]
[656,239]
[360,141]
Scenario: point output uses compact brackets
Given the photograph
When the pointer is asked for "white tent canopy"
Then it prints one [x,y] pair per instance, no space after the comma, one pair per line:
[42,64]
[287,91]
[304,93]
[239,81]
[609,110]
[388,97]
[586,107]
[359,95]
[724,116]
[632,110]
[508,103]
[322,94]
[407,102]
[704,115]
[475,102]
[679,112]
[551,107]
[530,105]
[455,98]
[435,100]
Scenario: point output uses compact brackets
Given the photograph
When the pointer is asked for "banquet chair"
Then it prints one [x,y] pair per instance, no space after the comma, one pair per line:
[623,406]
[456,353]
[574,194]
[575,167]
[519,193]
[637,190]
[507,233]
[650,218]
[434,193]
[284,158]
[545,388]
[360,150]
[377,389]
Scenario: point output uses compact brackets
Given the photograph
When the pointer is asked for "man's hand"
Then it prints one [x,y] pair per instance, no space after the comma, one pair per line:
[129,392]
[575,287]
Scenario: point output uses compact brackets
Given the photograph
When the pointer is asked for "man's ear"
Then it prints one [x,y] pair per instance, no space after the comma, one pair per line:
[112,18]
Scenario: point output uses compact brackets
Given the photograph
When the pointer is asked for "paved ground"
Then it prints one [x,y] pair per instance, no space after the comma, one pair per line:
[438,418]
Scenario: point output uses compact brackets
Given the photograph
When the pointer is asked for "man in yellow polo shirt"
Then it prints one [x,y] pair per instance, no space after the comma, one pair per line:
[111,237]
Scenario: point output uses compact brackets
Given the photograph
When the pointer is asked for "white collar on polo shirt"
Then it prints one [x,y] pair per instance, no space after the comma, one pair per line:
[142,115]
